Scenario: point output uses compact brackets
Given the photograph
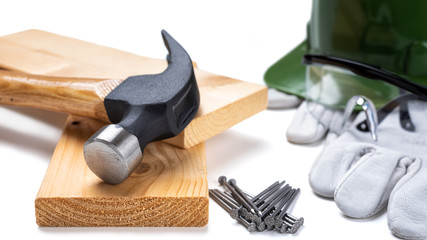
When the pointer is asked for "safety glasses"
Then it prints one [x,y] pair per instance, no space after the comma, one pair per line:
[343,84]
[367,71]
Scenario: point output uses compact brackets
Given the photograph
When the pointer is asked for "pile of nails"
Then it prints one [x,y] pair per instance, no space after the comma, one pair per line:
[265,211]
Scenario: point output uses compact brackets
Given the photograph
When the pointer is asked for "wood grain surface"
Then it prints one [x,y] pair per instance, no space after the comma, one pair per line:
[169,188]
[224,101]
[77,96]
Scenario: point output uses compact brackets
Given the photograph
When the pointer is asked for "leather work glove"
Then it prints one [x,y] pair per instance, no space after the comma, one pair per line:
[281,100]
[311,122]
[363,176]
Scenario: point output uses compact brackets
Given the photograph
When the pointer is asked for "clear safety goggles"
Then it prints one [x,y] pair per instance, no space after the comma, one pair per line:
[350,86]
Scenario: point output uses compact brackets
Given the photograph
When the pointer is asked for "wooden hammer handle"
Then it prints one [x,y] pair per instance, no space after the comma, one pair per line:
[77,96]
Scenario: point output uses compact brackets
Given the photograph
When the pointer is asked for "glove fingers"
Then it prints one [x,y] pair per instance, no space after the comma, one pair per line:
[407,209]
[305,126]
[335,126]
[281,100]
[366,187]
[332,164]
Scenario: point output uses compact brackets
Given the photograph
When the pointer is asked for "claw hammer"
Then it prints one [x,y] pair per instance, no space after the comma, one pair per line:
[141,109]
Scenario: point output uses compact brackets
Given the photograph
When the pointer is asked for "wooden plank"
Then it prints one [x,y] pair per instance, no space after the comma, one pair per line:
[224,101]
[169,188]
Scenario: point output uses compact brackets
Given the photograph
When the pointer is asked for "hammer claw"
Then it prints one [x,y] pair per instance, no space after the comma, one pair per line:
[146,108]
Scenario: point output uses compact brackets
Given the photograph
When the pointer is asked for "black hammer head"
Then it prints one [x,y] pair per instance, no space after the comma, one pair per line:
[143,109]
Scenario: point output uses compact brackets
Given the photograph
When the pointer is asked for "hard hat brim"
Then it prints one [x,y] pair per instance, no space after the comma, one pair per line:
[288,73]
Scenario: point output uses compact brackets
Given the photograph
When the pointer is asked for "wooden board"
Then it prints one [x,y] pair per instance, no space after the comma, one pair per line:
[224,101]
[169,188]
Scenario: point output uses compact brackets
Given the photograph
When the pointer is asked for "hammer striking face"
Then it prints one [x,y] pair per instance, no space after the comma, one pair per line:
[143,109]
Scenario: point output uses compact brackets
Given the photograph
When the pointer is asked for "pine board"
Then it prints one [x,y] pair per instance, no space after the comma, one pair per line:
[224,101]
[168,189]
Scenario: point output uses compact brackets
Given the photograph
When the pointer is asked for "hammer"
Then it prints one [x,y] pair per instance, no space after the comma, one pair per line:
[142,109]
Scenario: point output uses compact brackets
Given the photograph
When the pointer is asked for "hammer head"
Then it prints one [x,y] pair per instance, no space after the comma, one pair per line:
[143,109]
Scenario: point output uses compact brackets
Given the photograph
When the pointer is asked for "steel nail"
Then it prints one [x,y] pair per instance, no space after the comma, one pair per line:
[292,198]
[274,202]
[229,198]
[270,220]
[274,196]
[239,191]
[283,220]
[219,201]
[287,228]
[261,227]
[255,198]
[231,209]
[243,211]
[250,226]
[269,194]
[223,181]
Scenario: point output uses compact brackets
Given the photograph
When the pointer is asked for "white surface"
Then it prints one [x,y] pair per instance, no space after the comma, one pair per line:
[240,39]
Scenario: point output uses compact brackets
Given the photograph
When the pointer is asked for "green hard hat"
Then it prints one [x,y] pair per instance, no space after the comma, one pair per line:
[390,34]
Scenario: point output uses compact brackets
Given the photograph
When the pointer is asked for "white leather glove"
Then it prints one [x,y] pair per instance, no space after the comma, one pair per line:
[363,176]
[312,122]
[281,100]
[307,126]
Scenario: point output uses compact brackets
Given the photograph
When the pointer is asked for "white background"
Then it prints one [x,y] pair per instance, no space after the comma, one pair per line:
[240,39]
